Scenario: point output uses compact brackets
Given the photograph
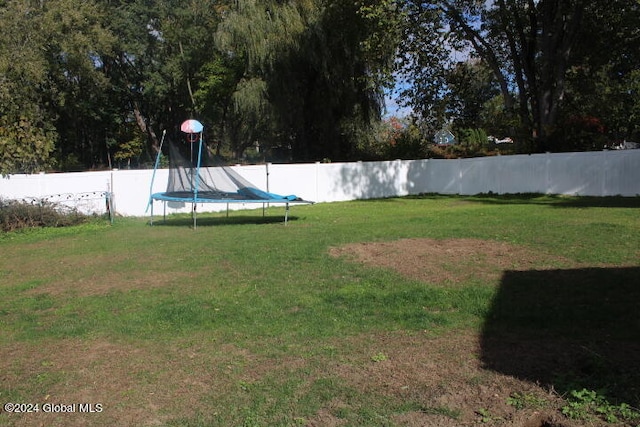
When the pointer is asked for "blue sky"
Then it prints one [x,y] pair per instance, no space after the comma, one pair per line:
[391,101]
[393,109]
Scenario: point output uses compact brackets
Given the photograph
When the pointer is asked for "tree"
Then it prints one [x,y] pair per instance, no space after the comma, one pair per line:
[76,41]
[530,47]
[604,81]
[423,59]
[96,75]
[472,86]
[48,51]
[312,87]
[213,96]
[27,133]
[161,48]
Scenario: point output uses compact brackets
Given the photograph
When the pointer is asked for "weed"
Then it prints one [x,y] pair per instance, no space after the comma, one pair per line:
[454,414]
[251,420]
[486,416]
[526,400]
[588,404]
[379,357]
[299,421]
[245,386]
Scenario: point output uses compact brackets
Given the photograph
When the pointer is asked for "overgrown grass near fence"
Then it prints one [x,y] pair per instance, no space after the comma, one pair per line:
[246,321]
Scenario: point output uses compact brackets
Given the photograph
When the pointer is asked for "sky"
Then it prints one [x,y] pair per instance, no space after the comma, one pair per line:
[391,100]
[392,107]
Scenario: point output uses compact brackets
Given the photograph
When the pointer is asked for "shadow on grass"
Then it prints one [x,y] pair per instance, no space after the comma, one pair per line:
[568,329]
[204,220]
[540,199]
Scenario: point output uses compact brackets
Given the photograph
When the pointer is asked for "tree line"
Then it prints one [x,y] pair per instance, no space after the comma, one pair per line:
[95,83]
[557,75]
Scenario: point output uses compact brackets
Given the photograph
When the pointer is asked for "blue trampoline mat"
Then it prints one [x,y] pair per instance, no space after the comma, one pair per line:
[243,196]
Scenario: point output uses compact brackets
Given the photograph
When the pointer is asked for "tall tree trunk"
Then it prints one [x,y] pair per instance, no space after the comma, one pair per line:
[522,47]
[539,37]
[486,51]
[560,24]
[146,128]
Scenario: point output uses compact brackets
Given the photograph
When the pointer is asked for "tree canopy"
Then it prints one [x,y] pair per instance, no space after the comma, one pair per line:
[313,72]
[93,83]
[544,55]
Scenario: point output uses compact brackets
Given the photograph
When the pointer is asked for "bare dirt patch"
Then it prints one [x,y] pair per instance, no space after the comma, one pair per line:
[445,378]
[153,384]
[109,274]
[143,384]
[465,379]
[103,282]
[448,261]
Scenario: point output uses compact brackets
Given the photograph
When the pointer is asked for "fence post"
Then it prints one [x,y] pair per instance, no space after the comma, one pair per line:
[459,175]
[548,172]
[605,165]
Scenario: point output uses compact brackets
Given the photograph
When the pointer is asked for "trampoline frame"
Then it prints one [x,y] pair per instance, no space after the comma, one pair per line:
[194,202]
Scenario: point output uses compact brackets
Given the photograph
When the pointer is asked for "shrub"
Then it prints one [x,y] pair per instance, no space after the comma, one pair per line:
[16,215]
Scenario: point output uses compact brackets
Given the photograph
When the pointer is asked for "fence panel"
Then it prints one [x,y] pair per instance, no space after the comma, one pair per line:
[589,174]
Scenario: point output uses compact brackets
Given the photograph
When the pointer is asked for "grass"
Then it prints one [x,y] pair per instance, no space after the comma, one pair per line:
[258,313]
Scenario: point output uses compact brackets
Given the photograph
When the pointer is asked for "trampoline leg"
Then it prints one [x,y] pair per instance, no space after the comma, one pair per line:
[194,215]
[227,210]
[151,220]
[286,214]
[164,211]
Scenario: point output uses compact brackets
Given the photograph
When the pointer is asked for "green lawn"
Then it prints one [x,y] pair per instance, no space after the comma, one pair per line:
[246,321]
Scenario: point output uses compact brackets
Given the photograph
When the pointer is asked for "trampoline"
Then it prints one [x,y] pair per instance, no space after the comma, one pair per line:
[194,179]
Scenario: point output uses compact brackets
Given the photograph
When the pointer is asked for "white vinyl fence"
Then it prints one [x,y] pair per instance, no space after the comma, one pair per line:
[603,173]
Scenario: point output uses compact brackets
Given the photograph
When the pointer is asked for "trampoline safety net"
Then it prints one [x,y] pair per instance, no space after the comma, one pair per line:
[195,179]
[208,183]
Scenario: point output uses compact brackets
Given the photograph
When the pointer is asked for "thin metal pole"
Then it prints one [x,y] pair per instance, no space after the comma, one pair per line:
[155,168]
[112,204]
[197,181]
[267,171]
